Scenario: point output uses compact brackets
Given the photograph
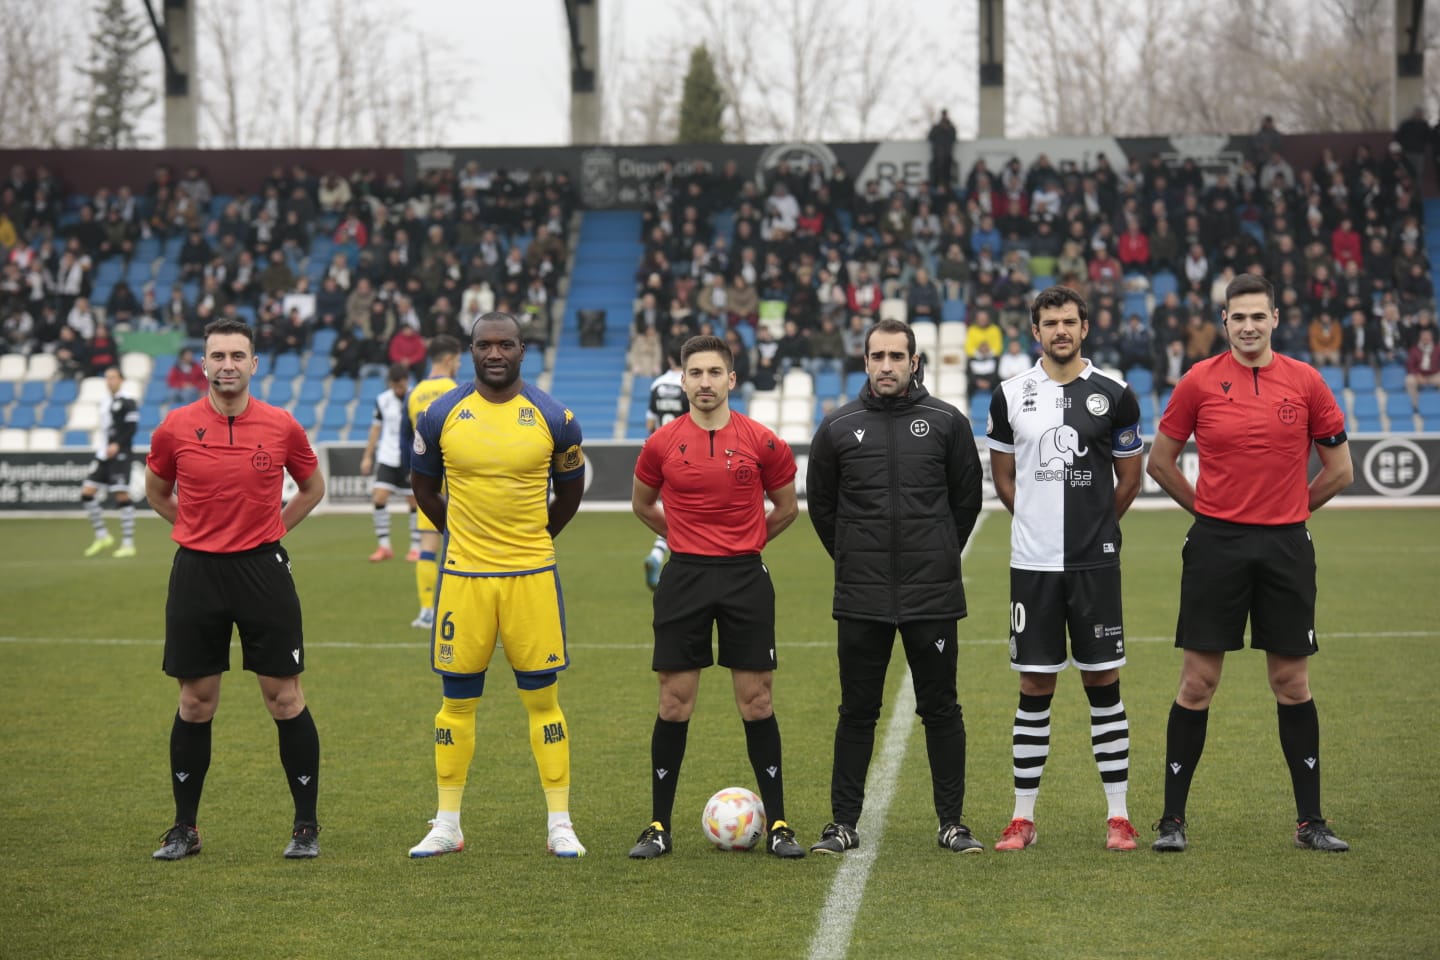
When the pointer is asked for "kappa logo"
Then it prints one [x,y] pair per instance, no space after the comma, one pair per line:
[296,654]
[304,781]
[200,433]
[465,415]
[1310,762]
[940,645]
[772,771]
[1175,768]
[661,772]
[552,659]
[182,776]
[859,436]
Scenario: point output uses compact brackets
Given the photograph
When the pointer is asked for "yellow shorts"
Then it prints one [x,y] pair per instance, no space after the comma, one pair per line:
[423,524]
[525,613]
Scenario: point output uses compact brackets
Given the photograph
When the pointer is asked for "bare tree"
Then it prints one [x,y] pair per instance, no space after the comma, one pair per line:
[36,105]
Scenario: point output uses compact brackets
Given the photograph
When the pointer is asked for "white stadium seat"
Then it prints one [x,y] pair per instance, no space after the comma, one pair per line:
[83,416]
[12,366]
[43,366]
[44,438]
[893,309]
[92,391]
[797,383]
[793,433]
[927,336]
[136,366]
[798,410]
[14,440]
[765,407]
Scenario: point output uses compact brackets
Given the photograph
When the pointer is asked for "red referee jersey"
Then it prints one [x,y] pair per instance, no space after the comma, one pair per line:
[229,472]
[713,482]
[1253,427]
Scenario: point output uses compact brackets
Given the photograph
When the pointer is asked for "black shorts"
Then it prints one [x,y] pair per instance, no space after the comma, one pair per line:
[392,479]
[210,592]
[1044,604]
[1232,571]
[112,474]
[697,593]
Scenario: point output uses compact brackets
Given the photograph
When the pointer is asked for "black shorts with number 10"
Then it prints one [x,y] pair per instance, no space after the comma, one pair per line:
[1044,605]
[697,594]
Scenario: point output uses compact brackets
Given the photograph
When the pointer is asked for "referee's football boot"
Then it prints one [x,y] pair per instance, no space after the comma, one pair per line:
[957,838]
[836,838]
[1172,836]
[444,837]
[654,842]
[179,842]
[781,842]
[304,842]
[1317,835]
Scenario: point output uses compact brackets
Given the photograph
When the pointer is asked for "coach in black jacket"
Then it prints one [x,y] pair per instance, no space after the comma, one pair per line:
[894,491]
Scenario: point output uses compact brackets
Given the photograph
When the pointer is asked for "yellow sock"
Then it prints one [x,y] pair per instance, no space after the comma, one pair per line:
[426,572]
[454,748]
[550,742]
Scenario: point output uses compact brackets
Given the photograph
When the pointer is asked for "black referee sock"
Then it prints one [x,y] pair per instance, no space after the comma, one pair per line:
[1300,740]
[300,756]
[189,761]
[667,751]
[1184,742]
[762,741]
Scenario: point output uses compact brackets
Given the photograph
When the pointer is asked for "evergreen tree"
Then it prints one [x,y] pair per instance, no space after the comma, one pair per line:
[119,91]
[702,103]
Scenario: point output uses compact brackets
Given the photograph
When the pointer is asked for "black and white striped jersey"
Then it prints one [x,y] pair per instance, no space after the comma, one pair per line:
[389,413]
[1065,438]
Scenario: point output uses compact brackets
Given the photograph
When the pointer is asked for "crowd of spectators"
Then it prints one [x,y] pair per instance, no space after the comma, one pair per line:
[1342,240]
[385,265]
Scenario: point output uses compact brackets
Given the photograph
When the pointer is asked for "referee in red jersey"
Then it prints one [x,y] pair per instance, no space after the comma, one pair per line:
[215,473]
[1255,416]
[714,468]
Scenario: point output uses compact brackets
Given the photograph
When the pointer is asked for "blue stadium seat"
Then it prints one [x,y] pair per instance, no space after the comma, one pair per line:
[33,392]
[952,311]
[312,391]
[1163,283]
[287,366]
[7,392]
[1392,377]
[1140,379]
[142,439]
[75,438]
[329,435]
[1398,409]
[1366,413]
[1362,378]
[53,417]
[22,416]
[979,412]
[342,390]
[1162,400]
[155,391]
[151,416]
[305,415]
[828,385]
[323,341]
[370,388]
[853,382]
[1429,405]
[1334,377]
[64,391]
[747,334]
[1041,281]
[281,391]
[336,417]
[317,366]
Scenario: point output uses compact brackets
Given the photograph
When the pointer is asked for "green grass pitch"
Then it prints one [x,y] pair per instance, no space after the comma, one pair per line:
[85,714]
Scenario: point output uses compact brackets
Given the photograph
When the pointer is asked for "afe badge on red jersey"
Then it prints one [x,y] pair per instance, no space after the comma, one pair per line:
[261,461]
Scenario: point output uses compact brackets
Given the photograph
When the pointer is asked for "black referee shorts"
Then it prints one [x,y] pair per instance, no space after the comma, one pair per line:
[698,593]
[1235,571]
[211,592]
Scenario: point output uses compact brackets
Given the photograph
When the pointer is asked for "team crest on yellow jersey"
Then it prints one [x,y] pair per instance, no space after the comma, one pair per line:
[527,417]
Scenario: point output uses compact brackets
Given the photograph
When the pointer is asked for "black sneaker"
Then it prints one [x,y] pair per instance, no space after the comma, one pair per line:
[654,842]
[1317,835]
[304,842]
[956,837]
[836,838]
[1172,836]
[179,842]
[781,841]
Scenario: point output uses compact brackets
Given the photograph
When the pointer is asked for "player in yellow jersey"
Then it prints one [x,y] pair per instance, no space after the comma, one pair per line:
[498,447]
[444,352]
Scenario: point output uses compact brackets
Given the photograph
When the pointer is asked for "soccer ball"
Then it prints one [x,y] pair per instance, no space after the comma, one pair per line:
[734,819]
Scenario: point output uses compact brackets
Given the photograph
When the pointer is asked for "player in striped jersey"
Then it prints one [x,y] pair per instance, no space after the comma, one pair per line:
[444,352]
[1065,458]
[383,453]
